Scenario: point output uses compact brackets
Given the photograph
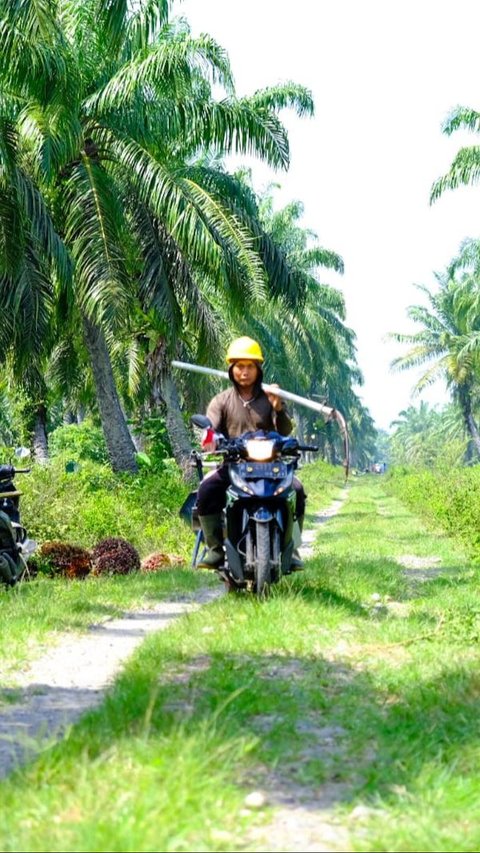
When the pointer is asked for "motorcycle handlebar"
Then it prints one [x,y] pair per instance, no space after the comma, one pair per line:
[226,449]
[8,471]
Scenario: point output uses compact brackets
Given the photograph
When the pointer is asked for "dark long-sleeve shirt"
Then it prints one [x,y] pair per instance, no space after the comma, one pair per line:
[231,416]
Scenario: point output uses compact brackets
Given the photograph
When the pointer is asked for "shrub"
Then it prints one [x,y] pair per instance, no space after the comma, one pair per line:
[156,562]
[156,443]
[450,498]
[62,558]
[79,441]
[116,556]
[93,503]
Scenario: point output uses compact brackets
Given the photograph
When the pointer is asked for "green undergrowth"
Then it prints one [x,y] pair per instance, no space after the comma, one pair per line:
[446,497]
[357,680]
[92,503]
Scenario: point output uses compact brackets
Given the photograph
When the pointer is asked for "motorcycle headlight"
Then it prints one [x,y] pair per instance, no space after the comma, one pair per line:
[260,450]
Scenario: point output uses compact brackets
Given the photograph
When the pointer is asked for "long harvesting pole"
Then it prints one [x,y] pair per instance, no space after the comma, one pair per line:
[328,412]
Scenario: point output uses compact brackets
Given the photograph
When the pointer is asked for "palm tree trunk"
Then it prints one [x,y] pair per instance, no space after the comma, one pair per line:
[40,441]
[330,445]
[465,399]
[300,422]
[164,393]
[120,447]
[177,431]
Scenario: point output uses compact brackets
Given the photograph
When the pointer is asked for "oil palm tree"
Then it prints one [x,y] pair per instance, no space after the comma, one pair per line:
[109,104]
[450,328]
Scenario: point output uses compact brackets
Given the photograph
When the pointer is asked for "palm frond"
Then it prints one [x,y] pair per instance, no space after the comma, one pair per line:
[66,369]
[461,118]
[417,356]
[206,232]
[52,136]
[233,235]
[42,228]
[128,362]
[145,22]
[161,190]
[12,239]
[287,95]
[240,127]
[26,303]
[167,66]
[469,345]
[163,269]
[238,197]
[8,144]
[112,17]
[319,257]
[234,192]
[465,170]
[433,374]
[35,55]
[94,230]
[12,233]
[421,314]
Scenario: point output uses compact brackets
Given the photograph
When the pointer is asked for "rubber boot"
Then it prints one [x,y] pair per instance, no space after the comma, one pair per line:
[296,564]
[213,534]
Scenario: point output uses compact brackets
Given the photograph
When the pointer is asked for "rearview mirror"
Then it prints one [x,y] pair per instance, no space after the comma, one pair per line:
[201,421]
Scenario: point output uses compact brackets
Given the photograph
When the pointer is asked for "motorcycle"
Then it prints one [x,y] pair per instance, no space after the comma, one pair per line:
[15,546]
[260,529]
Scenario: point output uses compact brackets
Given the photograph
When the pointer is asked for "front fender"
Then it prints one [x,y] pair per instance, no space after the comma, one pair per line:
[262,515]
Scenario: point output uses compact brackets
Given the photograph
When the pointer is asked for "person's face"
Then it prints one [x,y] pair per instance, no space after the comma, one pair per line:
[245,373]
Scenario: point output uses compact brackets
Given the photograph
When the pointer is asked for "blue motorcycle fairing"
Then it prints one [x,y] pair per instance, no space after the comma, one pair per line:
[263,487]
[278,511]
[263,515]
[256,470]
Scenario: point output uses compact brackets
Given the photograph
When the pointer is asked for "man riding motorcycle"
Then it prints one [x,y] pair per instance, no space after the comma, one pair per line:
[242,408]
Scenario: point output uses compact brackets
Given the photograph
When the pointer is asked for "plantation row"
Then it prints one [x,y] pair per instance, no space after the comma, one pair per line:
[449,498]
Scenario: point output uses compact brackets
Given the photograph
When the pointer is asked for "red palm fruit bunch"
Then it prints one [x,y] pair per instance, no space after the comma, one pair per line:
[64,559]
[158,561]
[115,556]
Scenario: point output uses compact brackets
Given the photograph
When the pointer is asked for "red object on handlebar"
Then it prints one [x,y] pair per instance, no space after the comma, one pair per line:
[209,436]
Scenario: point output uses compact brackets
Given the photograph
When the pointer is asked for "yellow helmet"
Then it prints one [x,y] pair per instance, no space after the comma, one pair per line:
[245,348]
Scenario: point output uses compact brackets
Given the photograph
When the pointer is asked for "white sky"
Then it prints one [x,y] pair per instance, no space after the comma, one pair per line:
[384,74]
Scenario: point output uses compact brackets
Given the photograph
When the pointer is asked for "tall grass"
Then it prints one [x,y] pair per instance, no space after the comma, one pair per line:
[446,497]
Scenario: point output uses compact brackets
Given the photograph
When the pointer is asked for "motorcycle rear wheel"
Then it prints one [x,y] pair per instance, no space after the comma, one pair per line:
[262,560]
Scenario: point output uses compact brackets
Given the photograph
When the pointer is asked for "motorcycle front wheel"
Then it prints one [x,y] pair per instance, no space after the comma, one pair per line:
[262,560]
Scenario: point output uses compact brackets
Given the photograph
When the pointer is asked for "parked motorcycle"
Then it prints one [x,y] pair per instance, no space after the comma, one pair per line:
[15,546]
[260,530]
